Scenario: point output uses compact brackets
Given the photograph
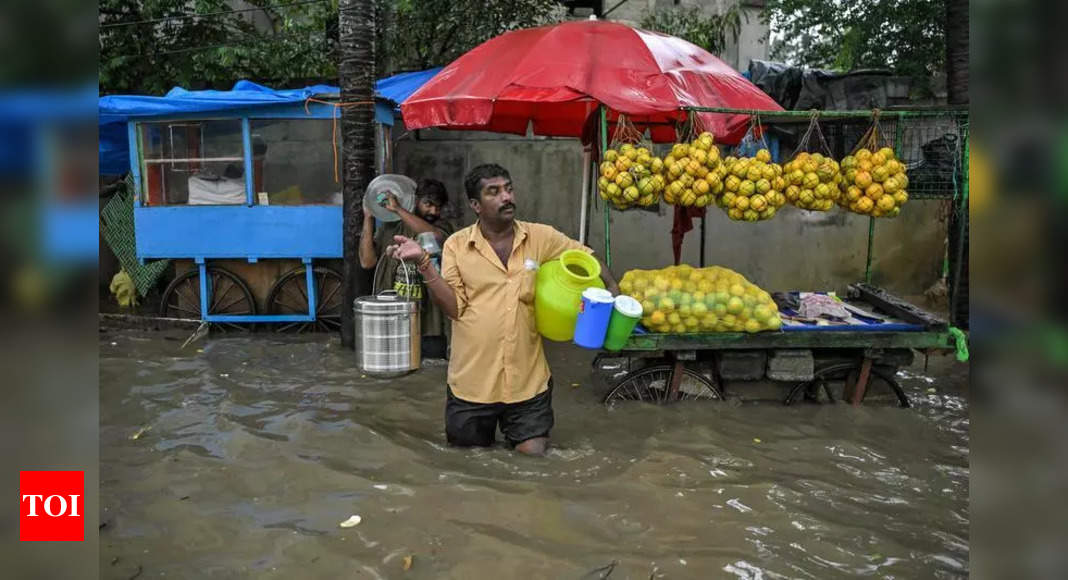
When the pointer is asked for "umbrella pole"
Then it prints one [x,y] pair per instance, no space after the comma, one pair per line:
[607,208]
[586,160]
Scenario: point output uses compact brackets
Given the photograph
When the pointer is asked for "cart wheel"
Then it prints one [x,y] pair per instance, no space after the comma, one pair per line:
[652,385]
[840,373]
[289,295]
[229,295]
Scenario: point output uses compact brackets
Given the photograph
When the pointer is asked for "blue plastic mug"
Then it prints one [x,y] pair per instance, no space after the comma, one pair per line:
[594,313]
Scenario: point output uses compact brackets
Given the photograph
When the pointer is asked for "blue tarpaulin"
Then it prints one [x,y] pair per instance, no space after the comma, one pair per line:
[244,95]
[116,110]
[401,86]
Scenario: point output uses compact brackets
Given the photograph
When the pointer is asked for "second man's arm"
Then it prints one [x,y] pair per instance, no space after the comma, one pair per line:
[415,223]
[368,258]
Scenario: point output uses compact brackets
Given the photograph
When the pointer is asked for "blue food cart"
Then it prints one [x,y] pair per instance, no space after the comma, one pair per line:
[250,175]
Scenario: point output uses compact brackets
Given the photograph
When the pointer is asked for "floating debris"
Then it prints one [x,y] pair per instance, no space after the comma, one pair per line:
[352,522]
[198,334]
[757,440]
[407,565]
[738,505]
[575,385]
[140,432]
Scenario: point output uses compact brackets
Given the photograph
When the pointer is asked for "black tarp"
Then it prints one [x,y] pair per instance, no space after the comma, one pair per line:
[801,89]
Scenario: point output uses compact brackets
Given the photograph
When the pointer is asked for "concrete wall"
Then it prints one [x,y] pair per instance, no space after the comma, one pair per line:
[753,38]
[547,172]
[795,250]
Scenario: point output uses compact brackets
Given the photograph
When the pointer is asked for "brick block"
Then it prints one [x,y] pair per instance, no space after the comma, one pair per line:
[793,365]
[741,365]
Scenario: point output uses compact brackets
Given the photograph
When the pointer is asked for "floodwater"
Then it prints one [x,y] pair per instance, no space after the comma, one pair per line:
[238,457]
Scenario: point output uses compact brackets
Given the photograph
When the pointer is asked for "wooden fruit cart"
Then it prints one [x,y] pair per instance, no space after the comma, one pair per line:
[664,368]
[858,358]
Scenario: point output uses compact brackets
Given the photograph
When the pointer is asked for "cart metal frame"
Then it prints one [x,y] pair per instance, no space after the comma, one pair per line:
[250,231]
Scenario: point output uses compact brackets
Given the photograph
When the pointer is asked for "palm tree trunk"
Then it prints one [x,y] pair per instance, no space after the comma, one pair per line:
[957,52]
[356,38]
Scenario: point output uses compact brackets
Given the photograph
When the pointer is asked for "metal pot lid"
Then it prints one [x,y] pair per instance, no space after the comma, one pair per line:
[400,185]
[385,303]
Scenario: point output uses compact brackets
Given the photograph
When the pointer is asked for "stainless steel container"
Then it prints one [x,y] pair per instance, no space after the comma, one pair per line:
[387,334]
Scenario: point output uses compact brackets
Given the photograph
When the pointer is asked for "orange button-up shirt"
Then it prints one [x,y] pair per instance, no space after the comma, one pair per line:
[497,355]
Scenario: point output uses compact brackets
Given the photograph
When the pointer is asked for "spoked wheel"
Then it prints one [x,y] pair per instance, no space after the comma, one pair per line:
[842,374]
[289,295]
[653,385]
[229,295]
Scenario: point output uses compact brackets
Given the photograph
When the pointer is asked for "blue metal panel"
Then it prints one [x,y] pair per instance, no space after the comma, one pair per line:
[309,231]
[246,138]
[309,276]
[383,113]
[259,318]
[135,165]
[205,290]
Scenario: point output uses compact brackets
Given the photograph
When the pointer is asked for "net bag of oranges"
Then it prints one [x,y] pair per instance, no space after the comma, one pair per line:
[631,175]
[693,168]
[812,175]
[753,187]
[683,299]
[874,181]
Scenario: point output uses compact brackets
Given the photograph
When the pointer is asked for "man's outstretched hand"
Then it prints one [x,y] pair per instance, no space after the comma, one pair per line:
[392,203]
[404,248]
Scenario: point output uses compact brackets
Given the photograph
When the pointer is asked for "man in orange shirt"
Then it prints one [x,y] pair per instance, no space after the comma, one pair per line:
[498,374]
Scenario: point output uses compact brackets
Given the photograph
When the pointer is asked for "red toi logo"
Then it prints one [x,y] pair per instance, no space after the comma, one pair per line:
[51,506]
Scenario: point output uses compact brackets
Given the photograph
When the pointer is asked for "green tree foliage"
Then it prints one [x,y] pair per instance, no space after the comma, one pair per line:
[710,32]
[427,33]
[907,36]
[149,46]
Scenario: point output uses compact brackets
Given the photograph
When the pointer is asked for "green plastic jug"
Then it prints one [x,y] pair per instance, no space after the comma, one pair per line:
[558,293]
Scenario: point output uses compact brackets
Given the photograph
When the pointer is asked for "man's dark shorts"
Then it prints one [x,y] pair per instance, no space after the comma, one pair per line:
[470,424]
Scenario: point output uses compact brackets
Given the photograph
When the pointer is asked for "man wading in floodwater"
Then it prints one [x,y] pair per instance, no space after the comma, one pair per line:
[497,373]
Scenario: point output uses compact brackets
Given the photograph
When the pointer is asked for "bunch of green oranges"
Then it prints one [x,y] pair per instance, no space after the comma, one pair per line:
[694,172]
[874,183]
[753,187]
[631,176]
[812,181]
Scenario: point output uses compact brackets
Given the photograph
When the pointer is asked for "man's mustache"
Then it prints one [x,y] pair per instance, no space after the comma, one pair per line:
[506,206]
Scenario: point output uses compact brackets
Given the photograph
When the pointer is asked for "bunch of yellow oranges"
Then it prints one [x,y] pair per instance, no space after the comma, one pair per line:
[813,181]
[683,299]
[753,187]
[631,176]
[874,183]
[694,172]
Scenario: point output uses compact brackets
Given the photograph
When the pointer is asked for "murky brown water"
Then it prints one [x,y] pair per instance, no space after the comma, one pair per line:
[257,447]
